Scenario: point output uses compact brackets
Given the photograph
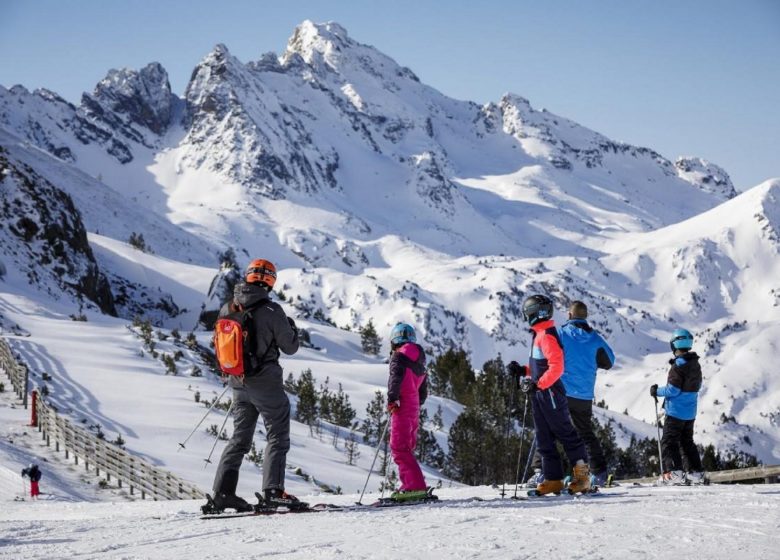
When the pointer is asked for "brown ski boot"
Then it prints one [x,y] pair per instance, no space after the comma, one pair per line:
[549,487]
[580,482]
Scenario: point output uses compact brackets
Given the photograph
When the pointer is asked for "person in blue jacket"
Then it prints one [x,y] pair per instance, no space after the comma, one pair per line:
[681,395]
[585,350]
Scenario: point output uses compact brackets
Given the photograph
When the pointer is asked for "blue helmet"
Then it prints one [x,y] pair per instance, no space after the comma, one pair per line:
[682,339]
[401,334]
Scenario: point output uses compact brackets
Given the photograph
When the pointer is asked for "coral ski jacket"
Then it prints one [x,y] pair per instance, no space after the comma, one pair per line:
[545,365]
[408,383]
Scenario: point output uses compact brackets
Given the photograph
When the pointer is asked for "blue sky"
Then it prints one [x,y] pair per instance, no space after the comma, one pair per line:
[684,77]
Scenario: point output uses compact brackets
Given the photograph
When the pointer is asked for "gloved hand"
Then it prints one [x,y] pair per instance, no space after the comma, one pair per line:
[515,369]
[293,325]
[393,406]
[654,390]
[527,385]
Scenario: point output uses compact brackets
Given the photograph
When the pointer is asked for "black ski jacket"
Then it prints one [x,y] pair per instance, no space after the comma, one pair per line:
[273,330]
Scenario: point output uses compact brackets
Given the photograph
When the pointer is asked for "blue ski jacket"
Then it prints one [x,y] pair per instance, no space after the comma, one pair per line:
[681,391]
[584,351]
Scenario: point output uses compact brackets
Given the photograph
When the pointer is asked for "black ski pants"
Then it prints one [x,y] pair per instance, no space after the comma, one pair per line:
[677,436]
[553,422]
[581,412]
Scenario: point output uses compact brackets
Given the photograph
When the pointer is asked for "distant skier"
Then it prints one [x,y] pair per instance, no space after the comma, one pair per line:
[548,399]
[585,350]
[259,392]
[34,474]
[407,389]
[681,394]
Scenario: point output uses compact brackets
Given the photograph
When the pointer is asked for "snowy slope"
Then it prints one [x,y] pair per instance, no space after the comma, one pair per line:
[718,522]
[21,445]
[125,391]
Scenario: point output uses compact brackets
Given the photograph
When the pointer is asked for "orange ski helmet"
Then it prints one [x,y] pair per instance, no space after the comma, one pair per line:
[261,270]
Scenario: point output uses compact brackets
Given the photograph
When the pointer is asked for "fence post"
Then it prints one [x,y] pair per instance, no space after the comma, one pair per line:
[34,413]
[26,385]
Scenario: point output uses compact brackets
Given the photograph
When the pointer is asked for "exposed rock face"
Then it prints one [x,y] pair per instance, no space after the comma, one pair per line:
[127,100]
[43,235]
[707,176]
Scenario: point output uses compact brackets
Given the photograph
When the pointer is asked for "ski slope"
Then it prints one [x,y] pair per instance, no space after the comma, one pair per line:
[715,522]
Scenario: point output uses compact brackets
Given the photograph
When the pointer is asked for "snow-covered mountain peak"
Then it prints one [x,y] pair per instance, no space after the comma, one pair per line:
[134,97]
[708,176]
[317,42]
[214,83]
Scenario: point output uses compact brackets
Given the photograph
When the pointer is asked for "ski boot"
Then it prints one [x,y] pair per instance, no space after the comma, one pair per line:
[277,497]
[696,478]
[535,479]
[672,478]
[547,487]
[413,495]
[580,482]
[220,502]
[599,479]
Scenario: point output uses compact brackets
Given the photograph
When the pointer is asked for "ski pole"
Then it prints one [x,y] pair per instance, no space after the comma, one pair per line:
[181,445]
[520,451]
[658,429]
[216,439]
[531,452]
[506,434]
[378,446]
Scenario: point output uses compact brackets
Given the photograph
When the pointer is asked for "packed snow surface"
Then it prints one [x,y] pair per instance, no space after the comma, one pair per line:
[728,522]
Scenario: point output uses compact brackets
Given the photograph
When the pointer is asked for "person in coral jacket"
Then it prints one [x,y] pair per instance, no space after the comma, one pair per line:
[550,406]
[407,389]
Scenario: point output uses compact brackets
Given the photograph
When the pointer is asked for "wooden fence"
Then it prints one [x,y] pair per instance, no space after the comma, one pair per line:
[16,372]
[767,472]
[104,458]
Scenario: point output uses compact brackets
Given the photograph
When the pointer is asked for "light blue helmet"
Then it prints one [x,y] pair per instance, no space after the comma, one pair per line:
[682,339]
[401,334]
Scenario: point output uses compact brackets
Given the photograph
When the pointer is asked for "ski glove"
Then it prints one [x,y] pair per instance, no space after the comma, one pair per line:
[393,406]
[527,385]
[654,390]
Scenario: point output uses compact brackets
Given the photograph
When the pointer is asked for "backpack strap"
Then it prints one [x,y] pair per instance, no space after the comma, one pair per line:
[256,362]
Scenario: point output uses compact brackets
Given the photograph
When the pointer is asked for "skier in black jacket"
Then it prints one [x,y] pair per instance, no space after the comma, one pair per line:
[681,394]
[34,473]
[260,392]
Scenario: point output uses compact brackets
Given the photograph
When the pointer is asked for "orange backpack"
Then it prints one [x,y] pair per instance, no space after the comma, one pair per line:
[234,343]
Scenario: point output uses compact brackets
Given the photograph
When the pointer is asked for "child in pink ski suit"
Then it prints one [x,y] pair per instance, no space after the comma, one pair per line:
[407,389]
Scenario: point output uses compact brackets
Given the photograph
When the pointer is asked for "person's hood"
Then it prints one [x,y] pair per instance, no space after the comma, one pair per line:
[411,351]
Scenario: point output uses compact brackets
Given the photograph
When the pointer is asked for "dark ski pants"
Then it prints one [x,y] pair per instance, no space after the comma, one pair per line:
[260,395]
[678,434]
[581,412]
[553,422]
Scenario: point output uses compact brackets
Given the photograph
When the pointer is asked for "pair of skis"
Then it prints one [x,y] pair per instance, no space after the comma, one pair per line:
[210,511]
